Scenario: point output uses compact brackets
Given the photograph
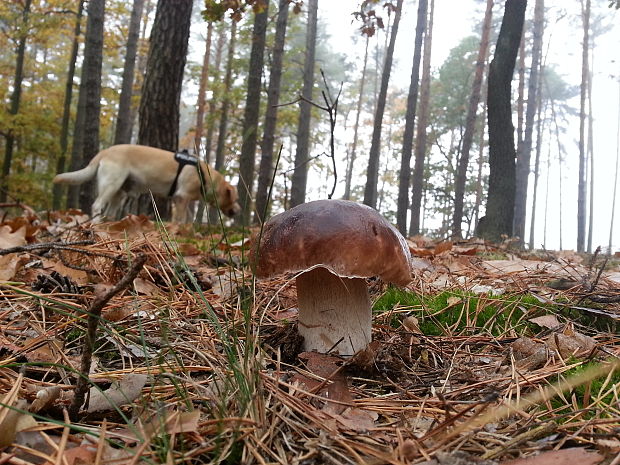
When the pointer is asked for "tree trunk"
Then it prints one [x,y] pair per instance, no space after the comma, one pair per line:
[265,172]
[300,172]
[481,145]
[591,153]
[358,111]
[521,93]
[613,198]
[525,152]
[539,115]
[501,196]
[202,90]
[161,91]
[221,137]
[470,123]
[247,160]
[372,172]
[124,120]
[404,178]
[15,100]
[581,189]
[417,185]
[86,134]
[66,109]
[215,97]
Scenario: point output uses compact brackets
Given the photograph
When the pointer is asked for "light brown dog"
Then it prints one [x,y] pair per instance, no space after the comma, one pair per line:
[125,171]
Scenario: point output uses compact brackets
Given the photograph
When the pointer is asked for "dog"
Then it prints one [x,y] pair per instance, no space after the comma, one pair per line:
[125,171]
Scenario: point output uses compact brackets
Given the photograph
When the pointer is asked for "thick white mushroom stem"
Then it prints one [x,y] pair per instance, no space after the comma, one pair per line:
[333,309]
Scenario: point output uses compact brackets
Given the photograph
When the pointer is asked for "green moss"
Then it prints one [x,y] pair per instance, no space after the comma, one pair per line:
[457,312]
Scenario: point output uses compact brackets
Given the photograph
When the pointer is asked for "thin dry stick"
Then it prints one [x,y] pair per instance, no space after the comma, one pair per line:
[94,315]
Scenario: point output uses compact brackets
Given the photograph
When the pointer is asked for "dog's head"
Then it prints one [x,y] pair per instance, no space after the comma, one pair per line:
[228,199]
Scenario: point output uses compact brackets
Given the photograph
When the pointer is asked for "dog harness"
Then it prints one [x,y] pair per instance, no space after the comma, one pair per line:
[183,158]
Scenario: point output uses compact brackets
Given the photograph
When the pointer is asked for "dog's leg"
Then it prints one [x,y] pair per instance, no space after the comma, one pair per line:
[109,182]
[180,209]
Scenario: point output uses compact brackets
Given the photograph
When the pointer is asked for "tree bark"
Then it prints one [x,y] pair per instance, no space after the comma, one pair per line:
[358,111]
[372,172]
[124,120]
[86,134]
[501,196]
[202,90]
[524,154]
[216,96]
[66,109]
[15,100]
[300,172]
[470,123]
[613,198]
[581,189]
[265,172]
[404,178]
[251,114]
[417,186]
[539,117]
[221,137]
[591,153]
[161,91]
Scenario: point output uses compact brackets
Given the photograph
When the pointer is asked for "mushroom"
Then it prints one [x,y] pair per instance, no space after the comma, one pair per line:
[333,245]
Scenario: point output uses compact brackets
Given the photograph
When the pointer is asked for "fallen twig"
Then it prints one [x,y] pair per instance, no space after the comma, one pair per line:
[94,314]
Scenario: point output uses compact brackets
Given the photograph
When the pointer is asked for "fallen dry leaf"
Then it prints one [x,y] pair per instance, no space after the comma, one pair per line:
[572,344]
[45,398]
[10,424]
[10,265]
[560,457]
[142,286]
[9,239]
[546,321]
[122,393]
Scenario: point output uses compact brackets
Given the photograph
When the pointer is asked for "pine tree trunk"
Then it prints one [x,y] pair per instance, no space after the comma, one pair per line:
[202,90]
[501,196]
[537,161]
[581,189]
[417,185]
[265,172]
[372,172]
[613,198]
[247,159]
[161,91]
[223,128]
[481,145]
[66,110]
[591,154]
[524,154]
[470,123]
[358,111]
[86,134]
[521,93]
[300,172]
[215,98]
[404,177]
[124,121]
[15,100]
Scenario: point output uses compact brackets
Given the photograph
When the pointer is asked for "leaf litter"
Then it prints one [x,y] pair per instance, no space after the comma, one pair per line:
[193,364]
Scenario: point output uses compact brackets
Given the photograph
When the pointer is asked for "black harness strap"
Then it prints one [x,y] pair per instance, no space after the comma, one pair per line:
[183,158]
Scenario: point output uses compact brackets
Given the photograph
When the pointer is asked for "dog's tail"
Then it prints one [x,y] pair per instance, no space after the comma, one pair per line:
[79,176]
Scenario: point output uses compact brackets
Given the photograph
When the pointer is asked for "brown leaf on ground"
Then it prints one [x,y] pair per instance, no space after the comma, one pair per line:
[122,393]
[546,321]
[529,354]
[142,286]
[45,398]
[442,247]
[10,422]
[560,457]
[572,344]
[10,264]
[79,276]
[130,226]
[10,238]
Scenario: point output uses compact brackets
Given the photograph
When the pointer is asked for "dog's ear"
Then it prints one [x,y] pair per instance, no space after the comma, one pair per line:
[230,192]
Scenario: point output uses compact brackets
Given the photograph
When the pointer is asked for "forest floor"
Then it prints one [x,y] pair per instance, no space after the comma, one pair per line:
[489,356]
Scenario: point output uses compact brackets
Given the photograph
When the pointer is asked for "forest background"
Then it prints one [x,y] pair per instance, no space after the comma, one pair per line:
[48,37]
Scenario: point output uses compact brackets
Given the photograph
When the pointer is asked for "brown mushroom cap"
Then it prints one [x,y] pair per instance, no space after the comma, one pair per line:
[349,239]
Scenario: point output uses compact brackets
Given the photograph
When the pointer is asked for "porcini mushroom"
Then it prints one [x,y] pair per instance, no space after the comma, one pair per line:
[333,245]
